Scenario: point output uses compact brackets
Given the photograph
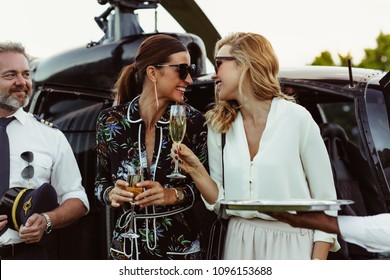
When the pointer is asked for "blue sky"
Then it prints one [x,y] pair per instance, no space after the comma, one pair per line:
[299,30]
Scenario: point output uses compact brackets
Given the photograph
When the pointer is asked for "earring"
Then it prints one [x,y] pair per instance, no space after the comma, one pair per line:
[155,93]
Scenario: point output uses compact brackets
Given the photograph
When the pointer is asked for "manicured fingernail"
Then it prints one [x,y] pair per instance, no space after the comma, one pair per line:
[180,161]
[176,157]
[175,151]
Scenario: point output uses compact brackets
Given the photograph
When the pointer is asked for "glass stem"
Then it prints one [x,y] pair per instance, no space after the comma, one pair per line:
[177,161]
[176,166]
[131,217]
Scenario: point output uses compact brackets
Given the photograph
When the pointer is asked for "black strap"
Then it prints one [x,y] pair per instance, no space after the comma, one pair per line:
[223,141]
[219,227]
[222,207]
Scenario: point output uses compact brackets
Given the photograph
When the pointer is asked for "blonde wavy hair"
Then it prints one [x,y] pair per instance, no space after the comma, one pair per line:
[254,53]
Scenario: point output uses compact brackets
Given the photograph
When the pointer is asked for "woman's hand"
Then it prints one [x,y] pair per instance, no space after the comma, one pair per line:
[155,194]
[119,195]
[191,164]
[188,161]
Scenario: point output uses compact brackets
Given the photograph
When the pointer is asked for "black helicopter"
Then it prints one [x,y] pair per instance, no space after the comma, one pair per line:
[350,105]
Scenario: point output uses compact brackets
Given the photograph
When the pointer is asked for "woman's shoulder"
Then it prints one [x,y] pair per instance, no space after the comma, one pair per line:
[290,107]
[114,112]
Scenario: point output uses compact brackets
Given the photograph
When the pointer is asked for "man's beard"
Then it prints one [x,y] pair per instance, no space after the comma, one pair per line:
[10,103]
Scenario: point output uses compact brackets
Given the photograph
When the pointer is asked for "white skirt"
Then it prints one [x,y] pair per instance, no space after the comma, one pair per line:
[257,239]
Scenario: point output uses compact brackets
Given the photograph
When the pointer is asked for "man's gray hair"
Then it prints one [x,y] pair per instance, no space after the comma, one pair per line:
[14,47]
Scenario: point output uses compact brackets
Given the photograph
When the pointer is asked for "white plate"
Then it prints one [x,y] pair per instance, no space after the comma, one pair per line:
[285,205]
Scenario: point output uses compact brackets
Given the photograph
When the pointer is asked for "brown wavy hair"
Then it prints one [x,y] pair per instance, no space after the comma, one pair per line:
[254,53]
[154,50]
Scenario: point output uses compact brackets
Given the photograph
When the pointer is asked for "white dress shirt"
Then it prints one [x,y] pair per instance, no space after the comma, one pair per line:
[371,232]
[291,163]
[54,162]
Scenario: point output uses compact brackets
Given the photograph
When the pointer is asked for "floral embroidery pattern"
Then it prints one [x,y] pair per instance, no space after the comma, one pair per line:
[165,232]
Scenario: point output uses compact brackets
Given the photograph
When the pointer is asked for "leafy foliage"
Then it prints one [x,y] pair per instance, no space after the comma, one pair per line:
[378,58]
[324,59]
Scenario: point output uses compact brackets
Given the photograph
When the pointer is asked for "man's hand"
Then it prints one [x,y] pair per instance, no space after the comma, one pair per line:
[3,221]
[34,229]
[310,220]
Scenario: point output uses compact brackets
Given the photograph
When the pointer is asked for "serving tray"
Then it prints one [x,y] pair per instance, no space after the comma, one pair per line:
[285,205]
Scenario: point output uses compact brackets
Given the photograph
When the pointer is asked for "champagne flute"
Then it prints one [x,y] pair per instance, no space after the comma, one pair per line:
[177,130]
[132,179]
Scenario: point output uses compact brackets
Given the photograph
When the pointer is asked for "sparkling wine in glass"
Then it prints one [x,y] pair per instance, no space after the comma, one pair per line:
[132,179]
[177,130]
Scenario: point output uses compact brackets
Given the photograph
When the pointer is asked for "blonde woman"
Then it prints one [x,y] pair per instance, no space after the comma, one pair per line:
[273,151]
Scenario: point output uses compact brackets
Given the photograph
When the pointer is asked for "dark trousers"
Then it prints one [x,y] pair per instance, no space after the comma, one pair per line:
[46,249]
[26,252]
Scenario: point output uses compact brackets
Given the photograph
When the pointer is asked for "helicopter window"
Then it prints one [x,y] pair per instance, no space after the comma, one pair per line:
[327,107]
[343,114]
[377,118]
[379,127]
[56,104]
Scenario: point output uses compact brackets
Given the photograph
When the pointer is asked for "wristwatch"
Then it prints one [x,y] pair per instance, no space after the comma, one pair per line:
[48,223]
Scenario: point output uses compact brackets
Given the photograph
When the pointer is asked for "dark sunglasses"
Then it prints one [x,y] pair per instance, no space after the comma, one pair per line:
[28,171]
[219,60]
[183,69]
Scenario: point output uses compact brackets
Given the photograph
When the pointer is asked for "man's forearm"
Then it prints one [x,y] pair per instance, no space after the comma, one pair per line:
[67,213]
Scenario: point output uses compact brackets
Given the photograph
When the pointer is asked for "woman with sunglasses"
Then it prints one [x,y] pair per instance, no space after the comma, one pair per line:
[134,135]
[273,151]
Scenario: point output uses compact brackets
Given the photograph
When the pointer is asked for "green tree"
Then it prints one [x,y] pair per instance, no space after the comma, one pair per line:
[325,59]
[378,58]
[344,59]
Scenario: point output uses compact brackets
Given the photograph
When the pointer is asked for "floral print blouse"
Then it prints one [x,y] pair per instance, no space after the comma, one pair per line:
[164,232]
